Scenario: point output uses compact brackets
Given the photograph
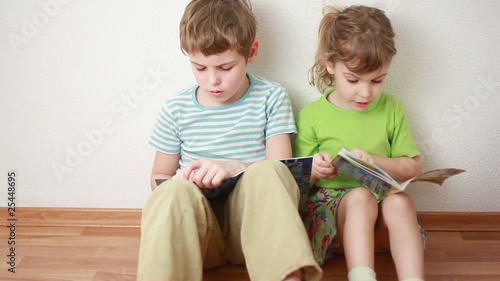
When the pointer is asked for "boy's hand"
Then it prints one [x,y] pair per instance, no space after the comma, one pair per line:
[363,155]
[179,174]
[322,167]
[210,173]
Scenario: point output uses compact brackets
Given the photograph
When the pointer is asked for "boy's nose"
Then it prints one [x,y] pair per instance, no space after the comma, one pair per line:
[213,79]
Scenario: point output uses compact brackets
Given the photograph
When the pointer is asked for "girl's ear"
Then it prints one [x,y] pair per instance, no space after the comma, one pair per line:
[253,52]
[329,67]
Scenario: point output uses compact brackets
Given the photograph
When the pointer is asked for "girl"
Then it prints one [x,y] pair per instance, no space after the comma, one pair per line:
[356,46]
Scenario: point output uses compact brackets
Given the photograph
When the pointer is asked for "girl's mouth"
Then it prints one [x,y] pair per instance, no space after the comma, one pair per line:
[362,105]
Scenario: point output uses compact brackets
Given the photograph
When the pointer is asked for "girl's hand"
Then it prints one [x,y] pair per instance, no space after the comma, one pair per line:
[363,155]
[207,173]
[322,167]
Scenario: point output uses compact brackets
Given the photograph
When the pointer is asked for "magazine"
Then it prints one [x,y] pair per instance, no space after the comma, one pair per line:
[300,167]
[377,180]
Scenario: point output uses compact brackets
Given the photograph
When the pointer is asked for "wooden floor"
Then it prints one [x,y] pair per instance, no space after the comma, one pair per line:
[61,249]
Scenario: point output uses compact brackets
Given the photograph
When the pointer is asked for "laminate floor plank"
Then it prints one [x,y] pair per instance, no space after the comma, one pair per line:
[86,253]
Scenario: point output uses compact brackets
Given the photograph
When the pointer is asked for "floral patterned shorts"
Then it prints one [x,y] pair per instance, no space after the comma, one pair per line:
[322,205]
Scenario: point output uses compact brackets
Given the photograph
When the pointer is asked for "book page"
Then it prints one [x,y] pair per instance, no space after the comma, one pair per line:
[367,166]
[437,176]
[376,179]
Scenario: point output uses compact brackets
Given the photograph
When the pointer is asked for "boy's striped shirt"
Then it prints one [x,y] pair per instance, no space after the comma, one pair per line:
[237,131]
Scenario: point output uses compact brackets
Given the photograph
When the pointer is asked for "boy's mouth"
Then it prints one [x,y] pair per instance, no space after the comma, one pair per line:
[216,93]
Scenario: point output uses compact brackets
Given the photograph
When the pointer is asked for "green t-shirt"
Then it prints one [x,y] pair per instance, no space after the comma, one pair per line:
[382,129]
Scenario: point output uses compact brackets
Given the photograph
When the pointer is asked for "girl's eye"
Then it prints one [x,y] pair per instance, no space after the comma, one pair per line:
[377,81]
[200,68]
[352,81]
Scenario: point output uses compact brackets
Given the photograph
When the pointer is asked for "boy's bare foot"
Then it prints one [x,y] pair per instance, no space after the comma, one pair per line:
[294,276]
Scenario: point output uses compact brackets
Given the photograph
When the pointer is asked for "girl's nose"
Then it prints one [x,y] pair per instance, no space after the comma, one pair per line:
[364,91]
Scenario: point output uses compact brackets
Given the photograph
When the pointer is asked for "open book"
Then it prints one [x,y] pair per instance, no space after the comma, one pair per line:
[300,167]
[377,180]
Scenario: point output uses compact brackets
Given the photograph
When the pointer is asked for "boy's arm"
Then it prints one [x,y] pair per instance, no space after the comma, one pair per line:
[400,168]
[164,167]
[210,173]
[278,147]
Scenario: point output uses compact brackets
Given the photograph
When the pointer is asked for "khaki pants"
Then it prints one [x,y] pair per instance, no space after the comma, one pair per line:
[261,227]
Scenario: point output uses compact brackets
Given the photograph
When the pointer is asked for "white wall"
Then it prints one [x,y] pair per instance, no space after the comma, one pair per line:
[81,83]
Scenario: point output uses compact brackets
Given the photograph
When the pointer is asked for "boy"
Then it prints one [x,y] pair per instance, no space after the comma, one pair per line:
[228,122]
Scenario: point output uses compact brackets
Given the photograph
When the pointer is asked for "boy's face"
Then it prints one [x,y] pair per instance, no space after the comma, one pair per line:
[355,91]
[222,77]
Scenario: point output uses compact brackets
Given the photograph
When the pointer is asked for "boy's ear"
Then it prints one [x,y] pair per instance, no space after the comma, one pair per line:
[253,52]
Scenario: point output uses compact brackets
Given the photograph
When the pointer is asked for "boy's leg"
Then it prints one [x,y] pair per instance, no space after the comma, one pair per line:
[265,228]
[178,228]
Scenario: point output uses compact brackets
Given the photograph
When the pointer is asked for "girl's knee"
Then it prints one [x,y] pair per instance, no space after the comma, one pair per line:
[397,203]
[361,197]
[359,202]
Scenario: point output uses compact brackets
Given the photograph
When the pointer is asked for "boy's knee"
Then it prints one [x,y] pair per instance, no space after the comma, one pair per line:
[274,173]
[175,190]
[171,186]
[266,166]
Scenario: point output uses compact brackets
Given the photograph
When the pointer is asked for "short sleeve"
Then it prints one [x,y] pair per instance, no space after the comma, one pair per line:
[165,137]
[279,113]
[402,141]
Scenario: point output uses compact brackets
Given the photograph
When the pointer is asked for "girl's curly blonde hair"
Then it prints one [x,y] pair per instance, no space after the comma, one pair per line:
[359,36]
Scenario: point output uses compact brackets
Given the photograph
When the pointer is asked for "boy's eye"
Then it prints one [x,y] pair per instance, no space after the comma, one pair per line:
[352,81]
[226,68]
[377,81]
[200,68]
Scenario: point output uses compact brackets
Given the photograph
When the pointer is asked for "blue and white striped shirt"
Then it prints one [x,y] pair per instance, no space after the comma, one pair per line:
[233,132]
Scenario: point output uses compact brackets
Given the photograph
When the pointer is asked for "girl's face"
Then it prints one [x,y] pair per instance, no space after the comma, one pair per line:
[222,77]
[355,91]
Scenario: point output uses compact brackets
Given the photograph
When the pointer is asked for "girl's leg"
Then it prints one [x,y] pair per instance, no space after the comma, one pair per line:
[356,217]
[399,215]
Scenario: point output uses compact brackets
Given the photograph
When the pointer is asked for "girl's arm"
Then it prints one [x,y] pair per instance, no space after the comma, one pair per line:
[164,167]
[322,167]
[400,168]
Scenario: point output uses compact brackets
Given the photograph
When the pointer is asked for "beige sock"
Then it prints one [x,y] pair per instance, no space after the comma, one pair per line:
[413,279]
[362,274]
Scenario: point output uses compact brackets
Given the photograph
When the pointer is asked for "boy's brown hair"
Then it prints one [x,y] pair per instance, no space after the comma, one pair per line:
[215,26]
[359,36]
